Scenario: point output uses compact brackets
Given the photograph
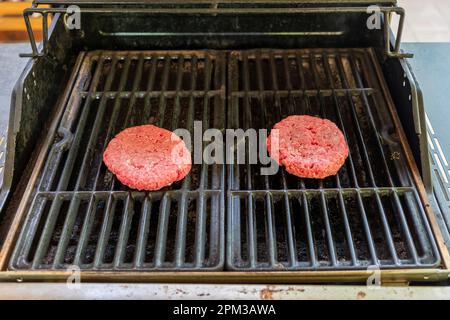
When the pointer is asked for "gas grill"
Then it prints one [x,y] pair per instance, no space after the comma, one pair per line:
[231,65]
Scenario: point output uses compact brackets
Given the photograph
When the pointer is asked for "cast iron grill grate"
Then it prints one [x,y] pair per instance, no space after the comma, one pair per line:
[81,215]
[369,214]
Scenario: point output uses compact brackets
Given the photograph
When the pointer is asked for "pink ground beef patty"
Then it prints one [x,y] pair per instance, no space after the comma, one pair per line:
[147,157]
[309,147]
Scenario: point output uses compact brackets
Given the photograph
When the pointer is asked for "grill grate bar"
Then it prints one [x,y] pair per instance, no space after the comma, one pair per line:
[90,216]
[270,217]
[111,202]
[277,102]
[144,227]
[424,229]
[182,219]
[68,225]
[404,224]
[368,233]
[356,123]
[251,231]
[190,117]
[423,241]
[180,247]
[212,93]
[93,221]
[358,218]
[247,117]
[44,240]
[162,99]
[309,232]
[127,216]
[169,93]
[348,231]
[386,228]
[289,232]
[105,231]
[176,114]
[371,120]
[128,210]
[73,208]
[150,88]
[163,222]
[96,127]
[307,108]
[329,233]
[201,217]
[271,231]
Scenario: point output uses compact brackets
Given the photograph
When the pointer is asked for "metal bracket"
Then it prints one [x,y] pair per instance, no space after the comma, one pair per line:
[386,11]
[387,34]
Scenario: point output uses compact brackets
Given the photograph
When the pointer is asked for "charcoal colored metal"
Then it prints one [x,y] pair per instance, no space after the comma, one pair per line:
[82,215]
[370,214]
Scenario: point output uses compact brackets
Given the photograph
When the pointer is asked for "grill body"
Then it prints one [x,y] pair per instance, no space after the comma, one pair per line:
[66,209]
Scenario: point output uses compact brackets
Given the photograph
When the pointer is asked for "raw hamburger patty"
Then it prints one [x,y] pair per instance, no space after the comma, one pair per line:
[309,147]
[147,157]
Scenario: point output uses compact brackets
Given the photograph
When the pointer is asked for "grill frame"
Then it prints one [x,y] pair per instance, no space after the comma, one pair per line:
[59,44]
[400,275]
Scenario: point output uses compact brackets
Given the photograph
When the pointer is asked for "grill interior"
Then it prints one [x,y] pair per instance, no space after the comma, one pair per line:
[369,214]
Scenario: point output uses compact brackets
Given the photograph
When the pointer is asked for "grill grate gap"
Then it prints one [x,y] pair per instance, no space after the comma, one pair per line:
[394,223]
[356,225]
[260,217]
[151,239]
[318,226]
[171,232]
[130,251]
[115,214]
[99,212]
[299,230]
[341,222]
[190,231]
[376,226]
